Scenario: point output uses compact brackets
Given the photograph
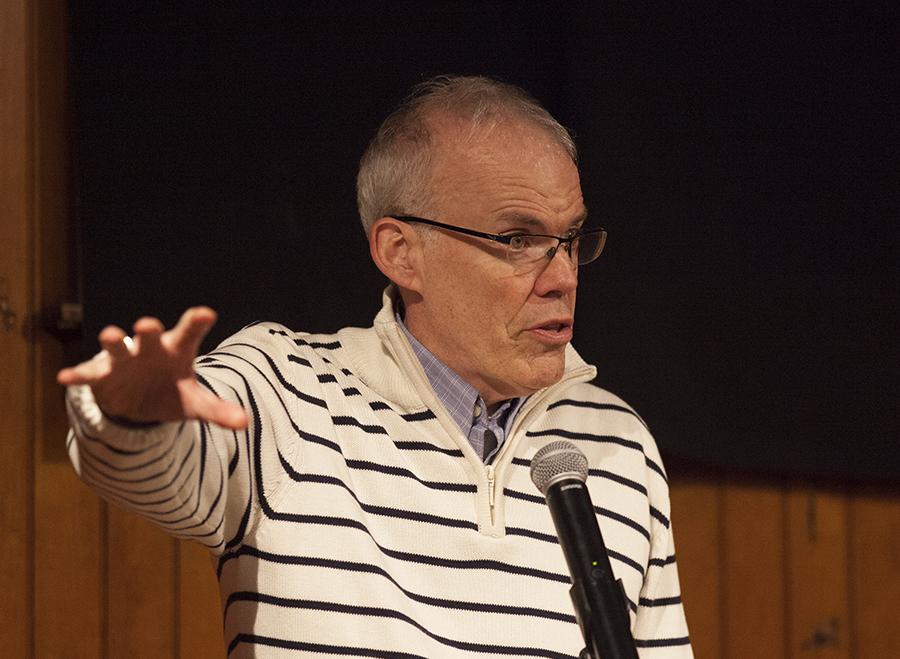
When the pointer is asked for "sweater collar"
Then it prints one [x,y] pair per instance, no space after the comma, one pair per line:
[385,361]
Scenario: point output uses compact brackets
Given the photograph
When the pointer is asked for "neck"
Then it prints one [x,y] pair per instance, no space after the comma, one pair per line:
[412,321]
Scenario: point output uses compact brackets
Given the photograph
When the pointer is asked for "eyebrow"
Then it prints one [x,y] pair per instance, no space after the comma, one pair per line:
[533,222]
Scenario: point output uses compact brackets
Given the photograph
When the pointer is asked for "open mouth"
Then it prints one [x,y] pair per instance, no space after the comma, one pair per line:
[554,332]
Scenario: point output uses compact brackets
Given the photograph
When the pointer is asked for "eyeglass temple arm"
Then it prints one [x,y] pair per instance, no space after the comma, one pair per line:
[505,240]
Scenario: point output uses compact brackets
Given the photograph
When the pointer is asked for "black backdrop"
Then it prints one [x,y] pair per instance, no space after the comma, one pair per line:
[744,163]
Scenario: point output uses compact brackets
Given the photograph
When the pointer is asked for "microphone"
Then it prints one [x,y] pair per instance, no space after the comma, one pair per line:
[559,470]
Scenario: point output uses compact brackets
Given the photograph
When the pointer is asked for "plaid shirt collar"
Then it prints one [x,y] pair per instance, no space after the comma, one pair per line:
[458,396]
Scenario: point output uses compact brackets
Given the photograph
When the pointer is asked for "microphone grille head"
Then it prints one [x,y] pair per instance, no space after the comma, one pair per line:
[556,460]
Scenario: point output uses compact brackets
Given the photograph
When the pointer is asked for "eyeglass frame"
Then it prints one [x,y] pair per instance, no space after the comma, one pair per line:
[507,239]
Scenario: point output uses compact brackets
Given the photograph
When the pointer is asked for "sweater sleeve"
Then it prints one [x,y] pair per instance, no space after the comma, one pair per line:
[660,630]
[196,480]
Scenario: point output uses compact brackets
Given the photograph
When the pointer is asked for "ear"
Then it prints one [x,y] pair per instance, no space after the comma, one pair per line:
[397,251]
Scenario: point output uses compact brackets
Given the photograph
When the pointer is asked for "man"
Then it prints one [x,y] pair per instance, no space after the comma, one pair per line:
[367,493]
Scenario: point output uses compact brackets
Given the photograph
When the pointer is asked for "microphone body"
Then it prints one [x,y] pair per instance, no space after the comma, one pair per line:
[560,471]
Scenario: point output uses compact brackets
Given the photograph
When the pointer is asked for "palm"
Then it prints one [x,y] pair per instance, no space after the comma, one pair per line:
[153,380]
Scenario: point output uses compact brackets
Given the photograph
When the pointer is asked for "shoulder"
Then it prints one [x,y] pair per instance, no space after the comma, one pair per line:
[263,332]
[272,346]
[587,404]
[267,334]
[610,432]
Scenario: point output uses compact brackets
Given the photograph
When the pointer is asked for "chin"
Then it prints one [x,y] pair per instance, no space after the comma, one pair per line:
[542,372]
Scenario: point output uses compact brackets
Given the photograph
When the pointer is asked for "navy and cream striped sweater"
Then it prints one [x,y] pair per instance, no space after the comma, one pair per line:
[353,518]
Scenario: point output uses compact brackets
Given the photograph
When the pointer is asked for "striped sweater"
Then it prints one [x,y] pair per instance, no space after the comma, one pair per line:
[353,518]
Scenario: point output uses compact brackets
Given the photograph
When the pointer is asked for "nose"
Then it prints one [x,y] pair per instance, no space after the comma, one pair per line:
[559,276]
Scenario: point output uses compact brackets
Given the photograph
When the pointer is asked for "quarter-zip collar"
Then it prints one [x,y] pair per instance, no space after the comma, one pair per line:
[383,359]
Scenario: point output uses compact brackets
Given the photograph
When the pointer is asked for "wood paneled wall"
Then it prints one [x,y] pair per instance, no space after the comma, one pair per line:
[15,354]
[788,571]
[81,579]
[768,570]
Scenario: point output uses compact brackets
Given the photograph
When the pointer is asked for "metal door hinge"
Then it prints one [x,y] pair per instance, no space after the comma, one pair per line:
[64,323]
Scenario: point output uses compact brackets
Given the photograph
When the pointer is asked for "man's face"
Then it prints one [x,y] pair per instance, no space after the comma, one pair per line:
[503,330]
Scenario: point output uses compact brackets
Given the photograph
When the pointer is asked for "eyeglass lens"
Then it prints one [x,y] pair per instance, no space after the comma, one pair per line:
[584,249]
[587,247]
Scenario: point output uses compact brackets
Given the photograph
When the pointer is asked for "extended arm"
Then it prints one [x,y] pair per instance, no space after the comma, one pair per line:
[163,436]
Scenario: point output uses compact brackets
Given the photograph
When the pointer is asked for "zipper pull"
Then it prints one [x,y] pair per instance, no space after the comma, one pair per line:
[490,480]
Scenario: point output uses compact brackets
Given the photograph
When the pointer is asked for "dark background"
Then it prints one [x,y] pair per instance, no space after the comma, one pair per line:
[744,163]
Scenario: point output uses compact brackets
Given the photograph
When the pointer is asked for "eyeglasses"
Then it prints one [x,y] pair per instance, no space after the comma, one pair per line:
[524,249]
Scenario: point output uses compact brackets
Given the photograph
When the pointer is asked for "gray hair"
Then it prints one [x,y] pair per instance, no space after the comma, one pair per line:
[394,172]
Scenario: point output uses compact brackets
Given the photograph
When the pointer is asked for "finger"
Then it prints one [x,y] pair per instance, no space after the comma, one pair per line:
[68,376]
[147,332]
[84,373]
[192,327]
[209,407]
[112,339]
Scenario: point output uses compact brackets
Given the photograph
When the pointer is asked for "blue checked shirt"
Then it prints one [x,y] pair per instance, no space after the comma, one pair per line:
[486,433]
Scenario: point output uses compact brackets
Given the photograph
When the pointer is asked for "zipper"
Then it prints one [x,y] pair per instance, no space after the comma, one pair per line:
[403,352]
[519,421]
[490,482]
[490,469]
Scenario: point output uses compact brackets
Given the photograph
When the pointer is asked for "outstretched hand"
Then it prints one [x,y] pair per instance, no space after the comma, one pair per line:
[152,379]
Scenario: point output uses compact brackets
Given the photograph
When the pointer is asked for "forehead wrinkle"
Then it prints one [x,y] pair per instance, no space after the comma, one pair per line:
[525,209]
[536,224]
[514,186]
